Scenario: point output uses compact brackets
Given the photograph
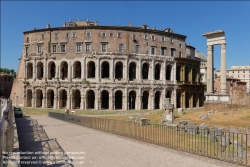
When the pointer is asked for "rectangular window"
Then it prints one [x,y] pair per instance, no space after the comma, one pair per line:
[27,51]
[180,45]
[180,54]
[39,48]
[121,48]
[153,49]
[111,34]
[74,35]
[56,35]
[43,36]
[145,37]
[104,47]
[244,71]
[78,47]
[62,47]
[54,48]
[88,34]
[119,34]
[87,47]
[153,37]
[172,52]
[163,51]
[134,37]
[171,40]
[103,34]
[162,39]
[137,48]
[67,35]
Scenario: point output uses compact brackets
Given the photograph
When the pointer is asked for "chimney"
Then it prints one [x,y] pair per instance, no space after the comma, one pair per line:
[48,25]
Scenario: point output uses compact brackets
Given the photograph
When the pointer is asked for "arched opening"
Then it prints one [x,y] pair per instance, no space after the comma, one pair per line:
[145,100]
[132,100]
[168,94]
[39,70]
[118,100]
[64,70]
[186,74]
[132,71]
[63,99]
[50,98]
[39,98]
[76,99]
[105,69]
[178,73]
[187,100]
[77,70]
[157,100]
[201,99]
[29,70]
[52,70]
[105,99]
[145,69]
[90,100]
[157,71]
[195,99]
[168,72]
[29,98]
[91,69]
[119,70]
[178,100]
[194,75]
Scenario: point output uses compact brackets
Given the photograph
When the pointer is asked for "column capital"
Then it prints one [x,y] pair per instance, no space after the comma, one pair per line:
[223,46]
[210,47]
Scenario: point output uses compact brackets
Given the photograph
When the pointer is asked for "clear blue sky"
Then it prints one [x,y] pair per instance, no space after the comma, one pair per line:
[187,18]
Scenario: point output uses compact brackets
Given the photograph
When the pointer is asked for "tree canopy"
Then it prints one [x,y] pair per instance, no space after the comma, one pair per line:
[8,71]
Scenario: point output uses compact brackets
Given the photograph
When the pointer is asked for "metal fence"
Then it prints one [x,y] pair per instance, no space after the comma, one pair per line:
[226,146]
[6,129]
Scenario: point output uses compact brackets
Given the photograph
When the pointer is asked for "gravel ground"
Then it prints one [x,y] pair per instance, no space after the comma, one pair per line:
[101,149]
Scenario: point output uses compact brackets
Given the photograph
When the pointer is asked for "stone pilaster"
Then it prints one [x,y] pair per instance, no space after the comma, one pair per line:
[223,70]
[152,70]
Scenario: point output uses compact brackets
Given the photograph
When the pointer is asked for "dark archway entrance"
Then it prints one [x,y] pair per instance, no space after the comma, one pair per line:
[132,100]
[119,71]
[145,100]
[132,71]
[157,71]
[77,70]
[105,70]
[145,69]
[168,72]
[77,99]
[50,98]
[52,70]
[29,98]
[118,100]
[39,70]
[157,100]
[178,100]
[91,70]
[63,99]
[64,70]
[105,99]
[29,70]
[90,99]
[39,98]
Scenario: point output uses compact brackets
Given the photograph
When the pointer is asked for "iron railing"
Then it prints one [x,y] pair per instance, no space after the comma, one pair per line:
[226,146]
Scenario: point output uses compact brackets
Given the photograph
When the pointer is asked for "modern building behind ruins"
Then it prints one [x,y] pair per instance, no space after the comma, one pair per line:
[83,65]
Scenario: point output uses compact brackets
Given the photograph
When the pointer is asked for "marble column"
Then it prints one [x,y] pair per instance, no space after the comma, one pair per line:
[223,70]
[210,77]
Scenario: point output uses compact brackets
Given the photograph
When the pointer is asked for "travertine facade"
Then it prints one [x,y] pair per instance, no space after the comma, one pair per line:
[85,66]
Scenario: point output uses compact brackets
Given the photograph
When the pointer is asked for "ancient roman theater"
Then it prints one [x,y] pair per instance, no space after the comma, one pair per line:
[83,65]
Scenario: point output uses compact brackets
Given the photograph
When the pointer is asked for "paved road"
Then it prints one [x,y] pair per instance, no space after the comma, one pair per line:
[100,149]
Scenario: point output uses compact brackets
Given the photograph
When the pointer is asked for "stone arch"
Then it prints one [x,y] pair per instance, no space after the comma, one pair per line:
[51,70]
[168,72]
[178,100]
[39,70]
[118,99]
[157,99]
[132,71]
[64,70]
[145,96]
[145,70]
[39,98]
[157,71]
[91,69]
[119,70]
[178,73]
[50,98]
[29,70]
[132,100]
[195,100]
[77,69]
[90,99]
[105,69]
[104,99]
[76,99]
[29,98]
[63,98]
